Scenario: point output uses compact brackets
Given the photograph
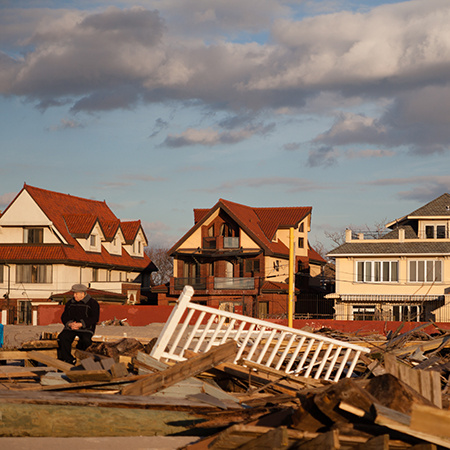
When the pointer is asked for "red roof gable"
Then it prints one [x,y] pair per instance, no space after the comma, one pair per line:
[130,229]
[260,223]
[74,217]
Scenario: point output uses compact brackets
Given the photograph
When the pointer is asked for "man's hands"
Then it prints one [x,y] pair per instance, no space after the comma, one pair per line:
[75,325]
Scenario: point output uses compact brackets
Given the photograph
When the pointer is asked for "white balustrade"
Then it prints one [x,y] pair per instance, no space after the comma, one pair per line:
[195,327]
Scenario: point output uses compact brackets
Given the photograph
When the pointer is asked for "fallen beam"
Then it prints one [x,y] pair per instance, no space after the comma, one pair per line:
[182,370]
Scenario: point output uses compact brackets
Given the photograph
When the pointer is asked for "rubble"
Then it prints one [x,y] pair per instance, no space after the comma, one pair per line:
[395,396]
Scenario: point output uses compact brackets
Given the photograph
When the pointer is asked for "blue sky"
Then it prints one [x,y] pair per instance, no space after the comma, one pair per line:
[161,106]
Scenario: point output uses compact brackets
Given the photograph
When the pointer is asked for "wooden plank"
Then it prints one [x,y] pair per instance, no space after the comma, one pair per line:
[190,386]
[6,355]
[276,439]
[49,361]
[328,440]
[101,400]
[423,346]
[89,384]
[30,345]
[401,422]
[277,374]
[119,370]
[182,370]
[88,375]
[90,364]
[4,376]
[430,420]
[377,443]
[426,382]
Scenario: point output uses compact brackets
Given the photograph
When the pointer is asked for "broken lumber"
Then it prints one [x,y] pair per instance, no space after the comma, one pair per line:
[49,361]
[182,370]
[397,421]
[425,382]
[430,420]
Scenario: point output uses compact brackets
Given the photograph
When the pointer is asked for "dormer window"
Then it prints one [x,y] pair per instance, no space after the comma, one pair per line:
[33,235]
[93,240]
[435,231]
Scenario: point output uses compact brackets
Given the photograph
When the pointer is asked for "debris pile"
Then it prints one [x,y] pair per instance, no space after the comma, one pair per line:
[397,396]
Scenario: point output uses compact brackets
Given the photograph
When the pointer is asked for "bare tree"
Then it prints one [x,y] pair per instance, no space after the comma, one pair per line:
[376,231]
[163,262]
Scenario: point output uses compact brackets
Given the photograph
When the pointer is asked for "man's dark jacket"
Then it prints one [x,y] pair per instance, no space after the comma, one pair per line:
[86,311]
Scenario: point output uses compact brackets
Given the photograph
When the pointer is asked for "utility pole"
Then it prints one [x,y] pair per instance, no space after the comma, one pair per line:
[291,277]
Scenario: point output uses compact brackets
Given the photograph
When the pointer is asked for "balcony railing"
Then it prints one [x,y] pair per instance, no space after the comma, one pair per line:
[209,243]
[230,242]
[199,283]
[234,283]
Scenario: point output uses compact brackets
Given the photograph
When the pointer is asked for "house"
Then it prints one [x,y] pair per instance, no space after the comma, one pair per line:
[50,241]
[401,275]
[236,257]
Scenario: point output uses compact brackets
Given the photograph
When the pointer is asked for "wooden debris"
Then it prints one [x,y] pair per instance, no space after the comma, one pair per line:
[182,370]
[391,401]
[426,383]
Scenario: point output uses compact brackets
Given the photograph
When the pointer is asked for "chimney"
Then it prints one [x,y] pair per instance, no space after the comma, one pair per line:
[348,235]
[401,234]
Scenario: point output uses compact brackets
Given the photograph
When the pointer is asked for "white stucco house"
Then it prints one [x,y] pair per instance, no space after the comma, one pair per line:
[50,241]
[402,275]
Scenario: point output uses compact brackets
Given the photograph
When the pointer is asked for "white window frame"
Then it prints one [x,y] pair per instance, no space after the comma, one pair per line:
[425,270]
[434,226]
[42,273]
[377,271]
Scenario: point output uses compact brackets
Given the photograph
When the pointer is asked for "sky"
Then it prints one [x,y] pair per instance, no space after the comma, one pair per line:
[162,106]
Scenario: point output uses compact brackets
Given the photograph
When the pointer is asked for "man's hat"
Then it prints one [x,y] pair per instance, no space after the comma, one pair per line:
[79,288]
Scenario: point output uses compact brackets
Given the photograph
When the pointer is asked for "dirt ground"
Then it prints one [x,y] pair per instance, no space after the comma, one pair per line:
[97,443]
[15,335]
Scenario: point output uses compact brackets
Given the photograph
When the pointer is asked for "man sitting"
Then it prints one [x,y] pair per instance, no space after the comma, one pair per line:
[80,316]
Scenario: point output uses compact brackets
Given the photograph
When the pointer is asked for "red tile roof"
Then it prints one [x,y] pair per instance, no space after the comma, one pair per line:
[74,217]
[260,223]
[130,230]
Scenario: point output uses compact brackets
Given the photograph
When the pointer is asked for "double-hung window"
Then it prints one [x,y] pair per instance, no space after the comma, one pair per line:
[34,273]
[33,235]
[377,271]
[425,271]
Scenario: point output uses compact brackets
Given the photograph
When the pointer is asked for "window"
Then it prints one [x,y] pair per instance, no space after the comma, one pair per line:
[94,274]
[364,312]
[425,271]
[301,242]
[33,235]
[301,228]
[435,231]
[226,230]
[377,271]
[93,240]
[1,272]
[252,265]
[33,273]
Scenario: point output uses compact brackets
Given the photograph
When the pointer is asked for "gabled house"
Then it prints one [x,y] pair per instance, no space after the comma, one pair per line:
[237,257]
[401,275]
[50,241]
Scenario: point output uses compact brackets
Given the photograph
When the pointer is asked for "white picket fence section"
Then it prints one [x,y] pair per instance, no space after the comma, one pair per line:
[292,351]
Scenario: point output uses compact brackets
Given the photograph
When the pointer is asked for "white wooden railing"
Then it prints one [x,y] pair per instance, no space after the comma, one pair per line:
[290,350]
